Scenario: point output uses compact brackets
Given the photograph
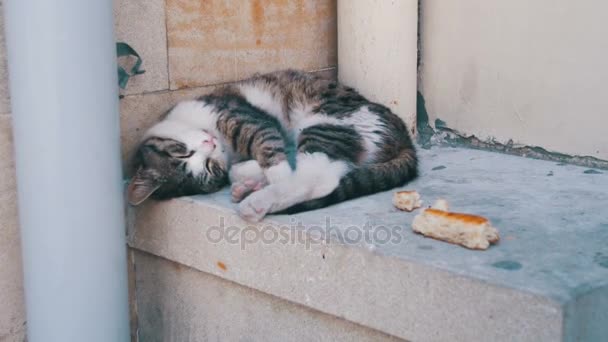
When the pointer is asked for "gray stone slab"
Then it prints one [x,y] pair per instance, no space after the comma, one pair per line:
[552,220]
[546,280]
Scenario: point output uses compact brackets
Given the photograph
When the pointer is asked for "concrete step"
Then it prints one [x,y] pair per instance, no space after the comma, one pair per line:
[547,279]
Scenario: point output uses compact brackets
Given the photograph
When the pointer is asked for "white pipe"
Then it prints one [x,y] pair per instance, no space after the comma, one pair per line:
[64,96]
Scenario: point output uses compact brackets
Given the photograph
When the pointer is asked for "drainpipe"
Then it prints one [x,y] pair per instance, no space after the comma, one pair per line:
[64,96]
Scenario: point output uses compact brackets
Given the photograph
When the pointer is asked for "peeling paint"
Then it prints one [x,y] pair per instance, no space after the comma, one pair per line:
[442,135]
[449,137]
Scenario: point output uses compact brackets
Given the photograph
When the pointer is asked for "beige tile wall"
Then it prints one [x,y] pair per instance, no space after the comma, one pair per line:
[193,43]
[218,41]
[141,24]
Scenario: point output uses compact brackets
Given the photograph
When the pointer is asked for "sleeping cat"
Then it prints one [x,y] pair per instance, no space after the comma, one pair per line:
[288,141]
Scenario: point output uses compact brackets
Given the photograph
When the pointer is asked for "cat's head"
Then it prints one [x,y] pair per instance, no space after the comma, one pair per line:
[178,157]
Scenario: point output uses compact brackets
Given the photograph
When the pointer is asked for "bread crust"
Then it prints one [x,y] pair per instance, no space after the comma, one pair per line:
[465,218]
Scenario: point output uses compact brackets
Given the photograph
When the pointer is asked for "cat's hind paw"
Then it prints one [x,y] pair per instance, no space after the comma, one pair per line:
[240,190]
[254,207]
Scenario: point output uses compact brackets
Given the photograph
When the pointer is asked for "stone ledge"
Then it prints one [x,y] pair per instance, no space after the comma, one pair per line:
[177,303]
[546,280]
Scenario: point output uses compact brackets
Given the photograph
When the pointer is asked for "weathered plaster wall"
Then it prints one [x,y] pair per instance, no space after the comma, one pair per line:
[531,71]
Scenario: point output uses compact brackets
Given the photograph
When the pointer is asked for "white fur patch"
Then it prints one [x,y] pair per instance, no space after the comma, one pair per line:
[313,120]
[178,131]
[318,173]
[299,114]
[196,163]
[247,170]
[366,123]
[263,99]
[195,113]
[279,172]
[184,117]
[315,176]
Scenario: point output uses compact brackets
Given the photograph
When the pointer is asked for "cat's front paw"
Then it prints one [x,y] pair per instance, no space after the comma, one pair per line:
[246,170]
[240,190]
[255,207]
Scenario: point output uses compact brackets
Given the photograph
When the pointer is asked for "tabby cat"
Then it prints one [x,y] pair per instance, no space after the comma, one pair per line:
[288,141]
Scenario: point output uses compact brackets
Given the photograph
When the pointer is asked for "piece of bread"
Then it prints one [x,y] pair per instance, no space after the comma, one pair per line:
[407,200]
[441,204]
[470,231]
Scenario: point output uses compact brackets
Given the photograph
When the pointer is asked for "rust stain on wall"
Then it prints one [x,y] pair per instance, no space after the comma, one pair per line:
[257,17]
[177,266]
[222,266]
[179,84]
[214,41]
[190,6]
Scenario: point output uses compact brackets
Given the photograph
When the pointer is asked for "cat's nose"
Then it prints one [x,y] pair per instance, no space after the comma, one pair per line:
[209,142]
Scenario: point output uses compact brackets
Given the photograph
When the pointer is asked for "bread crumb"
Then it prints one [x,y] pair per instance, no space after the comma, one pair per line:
[441,204]
[407,200]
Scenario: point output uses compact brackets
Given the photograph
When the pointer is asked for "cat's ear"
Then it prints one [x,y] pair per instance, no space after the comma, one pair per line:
[142,185]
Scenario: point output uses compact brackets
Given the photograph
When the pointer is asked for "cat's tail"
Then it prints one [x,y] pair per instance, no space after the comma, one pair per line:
[366,180]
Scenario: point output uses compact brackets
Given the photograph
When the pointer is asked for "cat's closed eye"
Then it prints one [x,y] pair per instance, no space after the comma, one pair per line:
[182,156]
[178,150]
